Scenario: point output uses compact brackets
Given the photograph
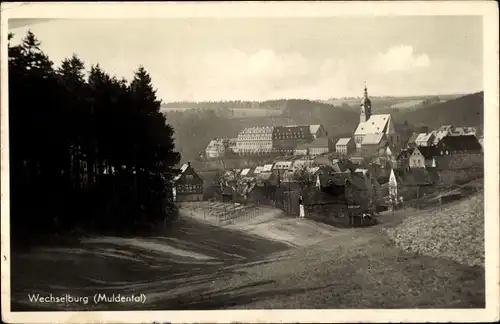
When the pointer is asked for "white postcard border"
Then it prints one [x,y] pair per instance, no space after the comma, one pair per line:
[487,9]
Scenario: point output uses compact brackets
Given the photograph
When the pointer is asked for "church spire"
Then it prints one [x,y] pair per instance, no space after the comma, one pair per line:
[366,107]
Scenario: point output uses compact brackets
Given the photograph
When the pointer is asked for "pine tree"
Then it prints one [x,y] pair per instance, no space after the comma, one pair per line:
[153,144]
[72,80]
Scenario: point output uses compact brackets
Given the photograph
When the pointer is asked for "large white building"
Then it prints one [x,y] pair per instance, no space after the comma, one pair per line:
[372,126]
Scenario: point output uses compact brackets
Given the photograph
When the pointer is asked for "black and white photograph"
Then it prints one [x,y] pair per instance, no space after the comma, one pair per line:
[242,159]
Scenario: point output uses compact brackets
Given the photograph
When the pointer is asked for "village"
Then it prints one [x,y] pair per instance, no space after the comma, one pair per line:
[306,174]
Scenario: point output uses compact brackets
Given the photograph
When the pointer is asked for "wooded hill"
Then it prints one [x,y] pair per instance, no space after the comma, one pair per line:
[464,111]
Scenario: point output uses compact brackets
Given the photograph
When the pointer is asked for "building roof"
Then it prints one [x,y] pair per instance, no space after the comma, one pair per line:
[405,153]
[322,142]
[428,152]
[461,143]
[258,169]
[257,130]
[342,166]
[301,163]
[463,130]
[344,141]
[313,170]
[267,168]
[445,128]
[376,124]
[370,138]
[412,138]
[333,179]
[440,134]
[183,169]
[314,128]
[212,143]
[424,137]
[244,172]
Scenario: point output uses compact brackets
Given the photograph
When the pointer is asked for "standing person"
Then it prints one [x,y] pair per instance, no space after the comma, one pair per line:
[301,207]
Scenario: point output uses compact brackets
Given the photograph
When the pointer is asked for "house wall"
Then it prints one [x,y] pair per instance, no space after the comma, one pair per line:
[255,143]
[189,186]
[416,160]
[300,152]
[370,149]
[318,150]
[189,197]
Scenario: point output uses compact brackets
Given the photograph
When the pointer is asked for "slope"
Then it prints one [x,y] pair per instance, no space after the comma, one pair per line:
[464,111]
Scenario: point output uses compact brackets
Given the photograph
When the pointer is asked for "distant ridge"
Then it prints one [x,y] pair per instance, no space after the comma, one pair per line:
[463,111]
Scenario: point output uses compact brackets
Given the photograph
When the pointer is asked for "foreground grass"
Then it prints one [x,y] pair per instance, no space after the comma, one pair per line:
[358,268]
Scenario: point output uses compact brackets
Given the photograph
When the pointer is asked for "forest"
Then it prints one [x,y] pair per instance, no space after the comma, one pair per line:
[87,150]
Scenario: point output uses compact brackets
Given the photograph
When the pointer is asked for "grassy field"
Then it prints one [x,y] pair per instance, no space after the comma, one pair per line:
[267,261]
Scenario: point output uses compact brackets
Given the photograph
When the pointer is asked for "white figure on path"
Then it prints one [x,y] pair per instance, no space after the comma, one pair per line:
[301,208]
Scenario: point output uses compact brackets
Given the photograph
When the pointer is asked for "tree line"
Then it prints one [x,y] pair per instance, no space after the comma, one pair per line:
[87,150]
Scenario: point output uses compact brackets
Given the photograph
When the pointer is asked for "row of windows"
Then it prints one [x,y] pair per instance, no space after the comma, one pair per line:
[255,150]
[189,188]
[256,143]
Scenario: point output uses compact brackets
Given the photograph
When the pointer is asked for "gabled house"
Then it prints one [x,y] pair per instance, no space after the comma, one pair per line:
[345,146]
[451,145]
[187,185]
[318,131]
[423,157]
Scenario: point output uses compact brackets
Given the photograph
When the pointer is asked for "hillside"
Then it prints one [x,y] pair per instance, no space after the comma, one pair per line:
[464,111]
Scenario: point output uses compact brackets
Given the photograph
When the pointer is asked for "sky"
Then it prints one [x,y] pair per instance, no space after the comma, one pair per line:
[199,59]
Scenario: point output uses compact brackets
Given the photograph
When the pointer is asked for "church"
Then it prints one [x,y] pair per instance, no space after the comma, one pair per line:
[374,131]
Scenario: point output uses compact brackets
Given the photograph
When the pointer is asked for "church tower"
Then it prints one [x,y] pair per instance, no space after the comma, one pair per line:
[366,107]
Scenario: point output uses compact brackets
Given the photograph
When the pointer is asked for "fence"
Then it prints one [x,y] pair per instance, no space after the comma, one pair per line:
[226,212]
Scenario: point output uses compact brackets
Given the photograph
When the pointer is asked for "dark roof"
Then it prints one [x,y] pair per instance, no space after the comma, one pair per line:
[333,179]
[322,160]
[461,143]
[405,153]
[341,178]
[428,151]
[357,181]
[318,142]
[227,191]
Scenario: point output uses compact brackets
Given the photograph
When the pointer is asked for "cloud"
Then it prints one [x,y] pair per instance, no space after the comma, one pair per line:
[237,74]
[400,58]
[196,65]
